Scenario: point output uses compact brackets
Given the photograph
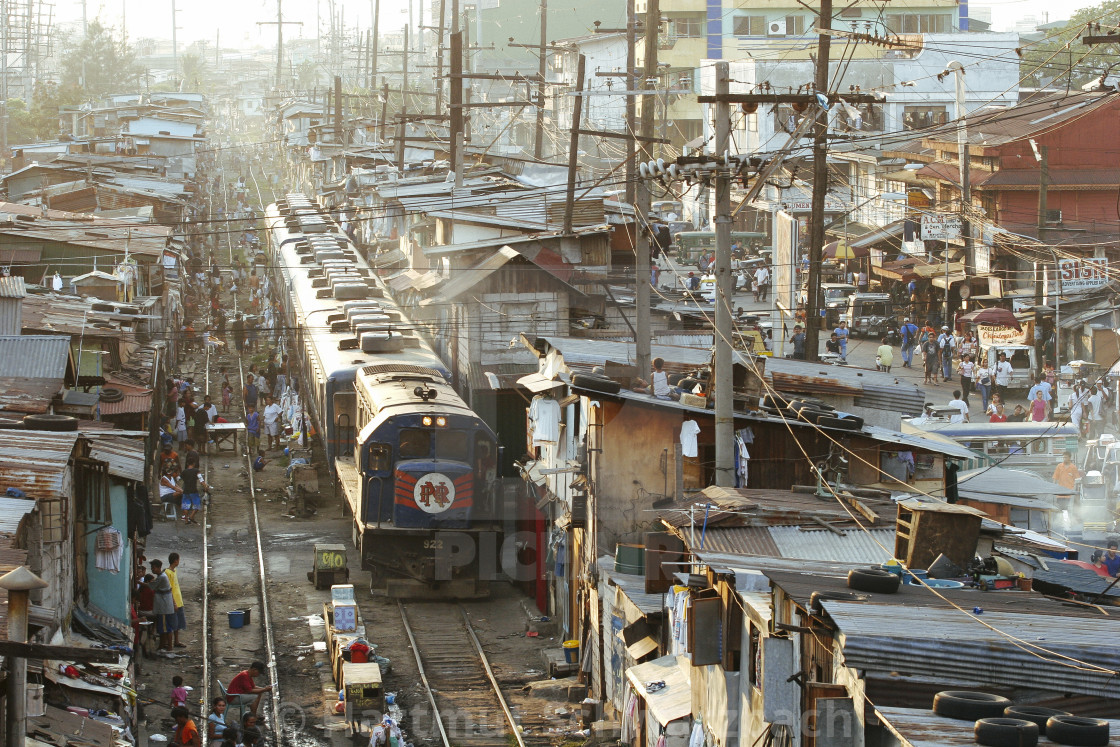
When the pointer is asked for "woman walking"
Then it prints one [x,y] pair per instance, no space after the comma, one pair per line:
[967,369]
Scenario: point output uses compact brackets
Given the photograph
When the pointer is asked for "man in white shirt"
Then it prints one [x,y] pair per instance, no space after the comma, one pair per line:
[1096,417]
[961,405]
[272,423]
[1002,373]
[761,283]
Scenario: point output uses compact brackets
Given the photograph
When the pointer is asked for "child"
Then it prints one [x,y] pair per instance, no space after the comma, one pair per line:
[227,394]
[259,462]
[178,692]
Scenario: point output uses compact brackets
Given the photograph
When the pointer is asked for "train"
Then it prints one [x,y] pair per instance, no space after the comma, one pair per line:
[414,463]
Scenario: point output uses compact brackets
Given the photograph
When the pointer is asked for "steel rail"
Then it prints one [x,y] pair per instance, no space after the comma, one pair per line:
[493,680]
[424,676]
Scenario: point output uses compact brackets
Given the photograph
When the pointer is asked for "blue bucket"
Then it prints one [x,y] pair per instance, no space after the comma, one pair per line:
[911,576]
[236,618]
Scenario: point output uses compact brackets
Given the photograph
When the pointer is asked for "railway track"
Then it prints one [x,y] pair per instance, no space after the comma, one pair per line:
[232,547]
[467,708]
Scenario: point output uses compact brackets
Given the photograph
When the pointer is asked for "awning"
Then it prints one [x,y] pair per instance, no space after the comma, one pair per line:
[385,259]
[672,700]
[956,277]
[534,382]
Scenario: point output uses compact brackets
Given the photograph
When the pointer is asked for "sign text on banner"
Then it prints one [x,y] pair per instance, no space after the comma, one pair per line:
[1083,274]
[941,227]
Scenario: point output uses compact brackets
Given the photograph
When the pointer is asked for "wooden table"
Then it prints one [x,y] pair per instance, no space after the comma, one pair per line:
[222,433]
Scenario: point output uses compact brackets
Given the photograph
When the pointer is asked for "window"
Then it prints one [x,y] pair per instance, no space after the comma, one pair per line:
[796,25]
[91,482]
[861,118]
[415,444]
[687,28]
[452,445]
[750,26]
[918,117]
[787,120]
[919,23]
[380,458]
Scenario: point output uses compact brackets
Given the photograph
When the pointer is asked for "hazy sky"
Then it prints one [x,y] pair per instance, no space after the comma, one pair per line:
[199,19]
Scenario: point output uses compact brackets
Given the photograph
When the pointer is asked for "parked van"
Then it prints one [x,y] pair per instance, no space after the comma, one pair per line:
[1023,360]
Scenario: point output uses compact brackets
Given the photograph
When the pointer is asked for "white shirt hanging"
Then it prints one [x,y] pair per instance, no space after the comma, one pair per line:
[689,431]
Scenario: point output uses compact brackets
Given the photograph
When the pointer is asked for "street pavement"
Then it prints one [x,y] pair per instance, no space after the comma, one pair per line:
[861,350]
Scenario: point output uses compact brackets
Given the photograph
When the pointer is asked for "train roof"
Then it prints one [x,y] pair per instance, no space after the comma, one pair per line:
[350,322]
[399,390]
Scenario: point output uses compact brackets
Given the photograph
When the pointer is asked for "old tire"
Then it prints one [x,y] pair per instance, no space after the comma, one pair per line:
[111,394]
[1006,732]
[1034,714]
[1077,731]
[817,597]
[967,705]
[48,422]
[874,580]
[847,424]
[596,383]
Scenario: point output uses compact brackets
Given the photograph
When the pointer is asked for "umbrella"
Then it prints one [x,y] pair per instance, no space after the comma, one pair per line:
[842,250]
[998,316]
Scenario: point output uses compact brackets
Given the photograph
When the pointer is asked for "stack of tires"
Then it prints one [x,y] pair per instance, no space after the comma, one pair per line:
[1001,723]
[810,411]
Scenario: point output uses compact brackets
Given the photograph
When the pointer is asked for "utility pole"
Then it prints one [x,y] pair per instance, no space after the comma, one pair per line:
[725,286]
[404,69]
[642,195]
[965,161]
[573,147]
[338,138]
[376,5]
[1043,157]
[174,36]
[280,23]
[820,187]
[384,108]
[631,101]
[439,55]
[542,70]
[456,43]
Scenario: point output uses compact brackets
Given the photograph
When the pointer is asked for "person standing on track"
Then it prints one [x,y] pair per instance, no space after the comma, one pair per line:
[253,428]
[180,623]
[163,606]
[272,423]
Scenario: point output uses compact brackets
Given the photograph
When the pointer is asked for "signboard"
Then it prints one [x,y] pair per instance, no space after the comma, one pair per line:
[941,227]
[1083,274]
[991,334]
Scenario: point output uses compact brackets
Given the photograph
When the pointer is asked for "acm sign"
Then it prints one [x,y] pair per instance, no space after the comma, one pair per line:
[1083,274]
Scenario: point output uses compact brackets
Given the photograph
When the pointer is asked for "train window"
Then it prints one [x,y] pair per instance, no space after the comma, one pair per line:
[380,457]
[452,445]
[415,443]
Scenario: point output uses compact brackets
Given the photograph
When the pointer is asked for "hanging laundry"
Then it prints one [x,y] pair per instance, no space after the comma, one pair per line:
[109,550]
[544,417]
[689,431]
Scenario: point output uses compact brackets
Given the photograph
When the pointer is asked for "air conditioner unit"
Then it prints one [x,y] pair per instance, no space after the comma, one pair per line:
[1054,216]
[776,28]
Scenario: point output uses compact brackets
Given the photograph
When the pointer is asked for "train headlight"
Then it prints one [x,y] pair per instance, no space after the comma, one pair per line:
[427,420]
[441,422]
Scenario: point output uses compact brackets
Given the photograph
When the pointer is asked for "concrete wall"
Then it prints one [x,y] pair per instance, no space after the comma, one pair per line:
[110,591]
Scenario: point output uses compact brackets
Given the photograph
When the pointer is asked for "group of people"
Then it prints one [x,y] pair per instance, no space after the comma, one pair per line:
[221,730]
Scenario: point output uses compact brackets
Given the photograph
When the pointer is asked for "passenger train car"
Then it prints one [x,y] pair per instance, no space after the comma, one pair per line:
[415,463]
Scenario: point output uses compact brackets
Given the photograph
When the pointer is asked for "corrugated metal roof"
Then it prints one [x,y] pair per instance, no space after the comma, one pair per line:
[468,278]
[913,440]
[131,404]
[754,541]
[12,511]
[634,587]
[34,356]
[946,643]
[86,230]
[1001,481]
[854,546]
[27,396]
[125,456]
[12,286]
[35,461]
[674,698]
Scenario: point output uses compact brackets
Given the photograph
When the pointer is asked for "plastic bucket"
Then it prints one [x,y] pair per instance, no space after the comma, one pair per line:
[248,612]
[571,652]
[236,618]
[912,576]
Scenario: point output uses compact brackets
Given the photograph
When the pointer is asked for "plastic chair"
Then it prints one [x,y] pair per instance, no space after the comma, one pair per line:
[170,511]
[241,707]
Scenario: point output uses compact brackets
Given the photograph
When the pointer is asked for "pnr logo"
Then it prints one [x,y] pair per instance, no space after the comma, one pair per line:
[434,492]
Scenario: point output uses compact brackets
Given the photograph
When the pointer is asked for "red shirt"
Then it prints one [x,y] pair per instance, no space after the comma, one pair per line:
[242,683]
